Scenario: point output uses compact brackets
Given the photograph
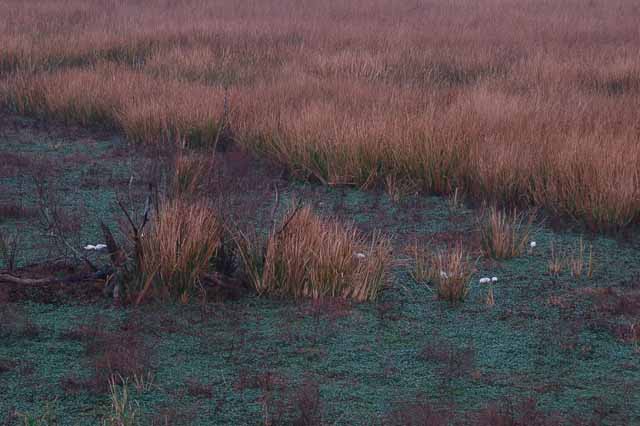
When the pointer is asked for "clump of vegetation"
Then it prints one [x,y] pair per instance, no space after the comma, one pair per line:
[577,261]
[504,235]
[451,271]
[178,250]
[554,265]
[311,257]
[421,272]
[189,174]
[123,411]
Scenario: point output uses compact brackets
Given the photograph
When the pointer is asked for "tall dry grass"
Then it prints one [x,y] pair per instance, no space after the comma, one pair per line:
[178,250]
[504,234]
[513,101]
[450,271]
[307,256]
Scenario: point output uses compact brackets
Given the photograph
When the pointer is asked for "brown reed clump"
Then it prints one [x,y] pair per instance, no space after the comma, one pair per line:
[178,250]
[504,235]
[450,271]
[311,257]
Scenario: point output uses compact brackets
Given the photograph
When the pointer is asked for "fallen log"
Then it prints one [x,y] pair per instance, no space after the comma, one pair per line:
[12,279]
[9,278]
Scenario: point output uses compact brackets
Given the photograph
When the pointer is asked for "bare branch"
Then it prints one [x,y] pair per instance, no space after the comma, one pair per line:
[52,224]
[290,217]
[147,209]
[116,254]
[126,213]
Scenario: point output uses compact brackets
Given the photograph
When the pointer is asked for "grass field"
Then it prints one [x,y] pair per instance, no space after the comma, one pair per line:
[520,102]
[554,348]
[329,188]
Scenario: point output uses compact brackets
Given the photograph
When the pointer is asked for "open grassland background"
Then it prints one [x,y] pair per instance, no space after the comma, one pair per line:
[516,101]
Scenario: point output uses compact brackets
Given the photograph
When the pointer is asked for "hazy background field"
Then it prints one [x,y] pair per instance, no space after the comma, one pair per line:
[516,101]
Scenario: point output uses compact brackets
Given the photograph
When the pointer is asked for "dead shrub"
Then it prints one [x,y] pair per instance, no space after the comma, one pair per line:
[311,257]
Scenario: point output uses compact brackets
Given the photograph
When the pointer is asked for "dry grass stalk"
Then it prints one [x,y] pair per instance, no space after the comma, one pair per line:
[311,257]
[123,411]
[393,188]
[590,265]
[490,299]
[505,235]
[421,271]
[189,174]
[576,260]
[577,263]
[555,261]
[455,200]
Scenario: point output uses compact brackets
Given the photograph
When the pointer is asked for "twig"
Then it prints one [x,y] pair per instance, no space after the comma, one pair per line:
[128,216]
[116,254]
[275,207]
[223,122]
[292,215]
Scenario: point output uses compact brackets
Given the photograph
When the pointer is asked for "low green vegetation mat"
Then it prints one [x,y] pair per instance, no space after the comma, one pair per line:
[569,343]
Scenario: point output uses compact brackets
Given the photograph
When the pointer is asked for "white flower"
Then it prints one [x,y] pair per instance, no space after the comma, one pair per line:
[485,280]
[532,244]
[97,247]
[444,275]
[360,255]
[494,279]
